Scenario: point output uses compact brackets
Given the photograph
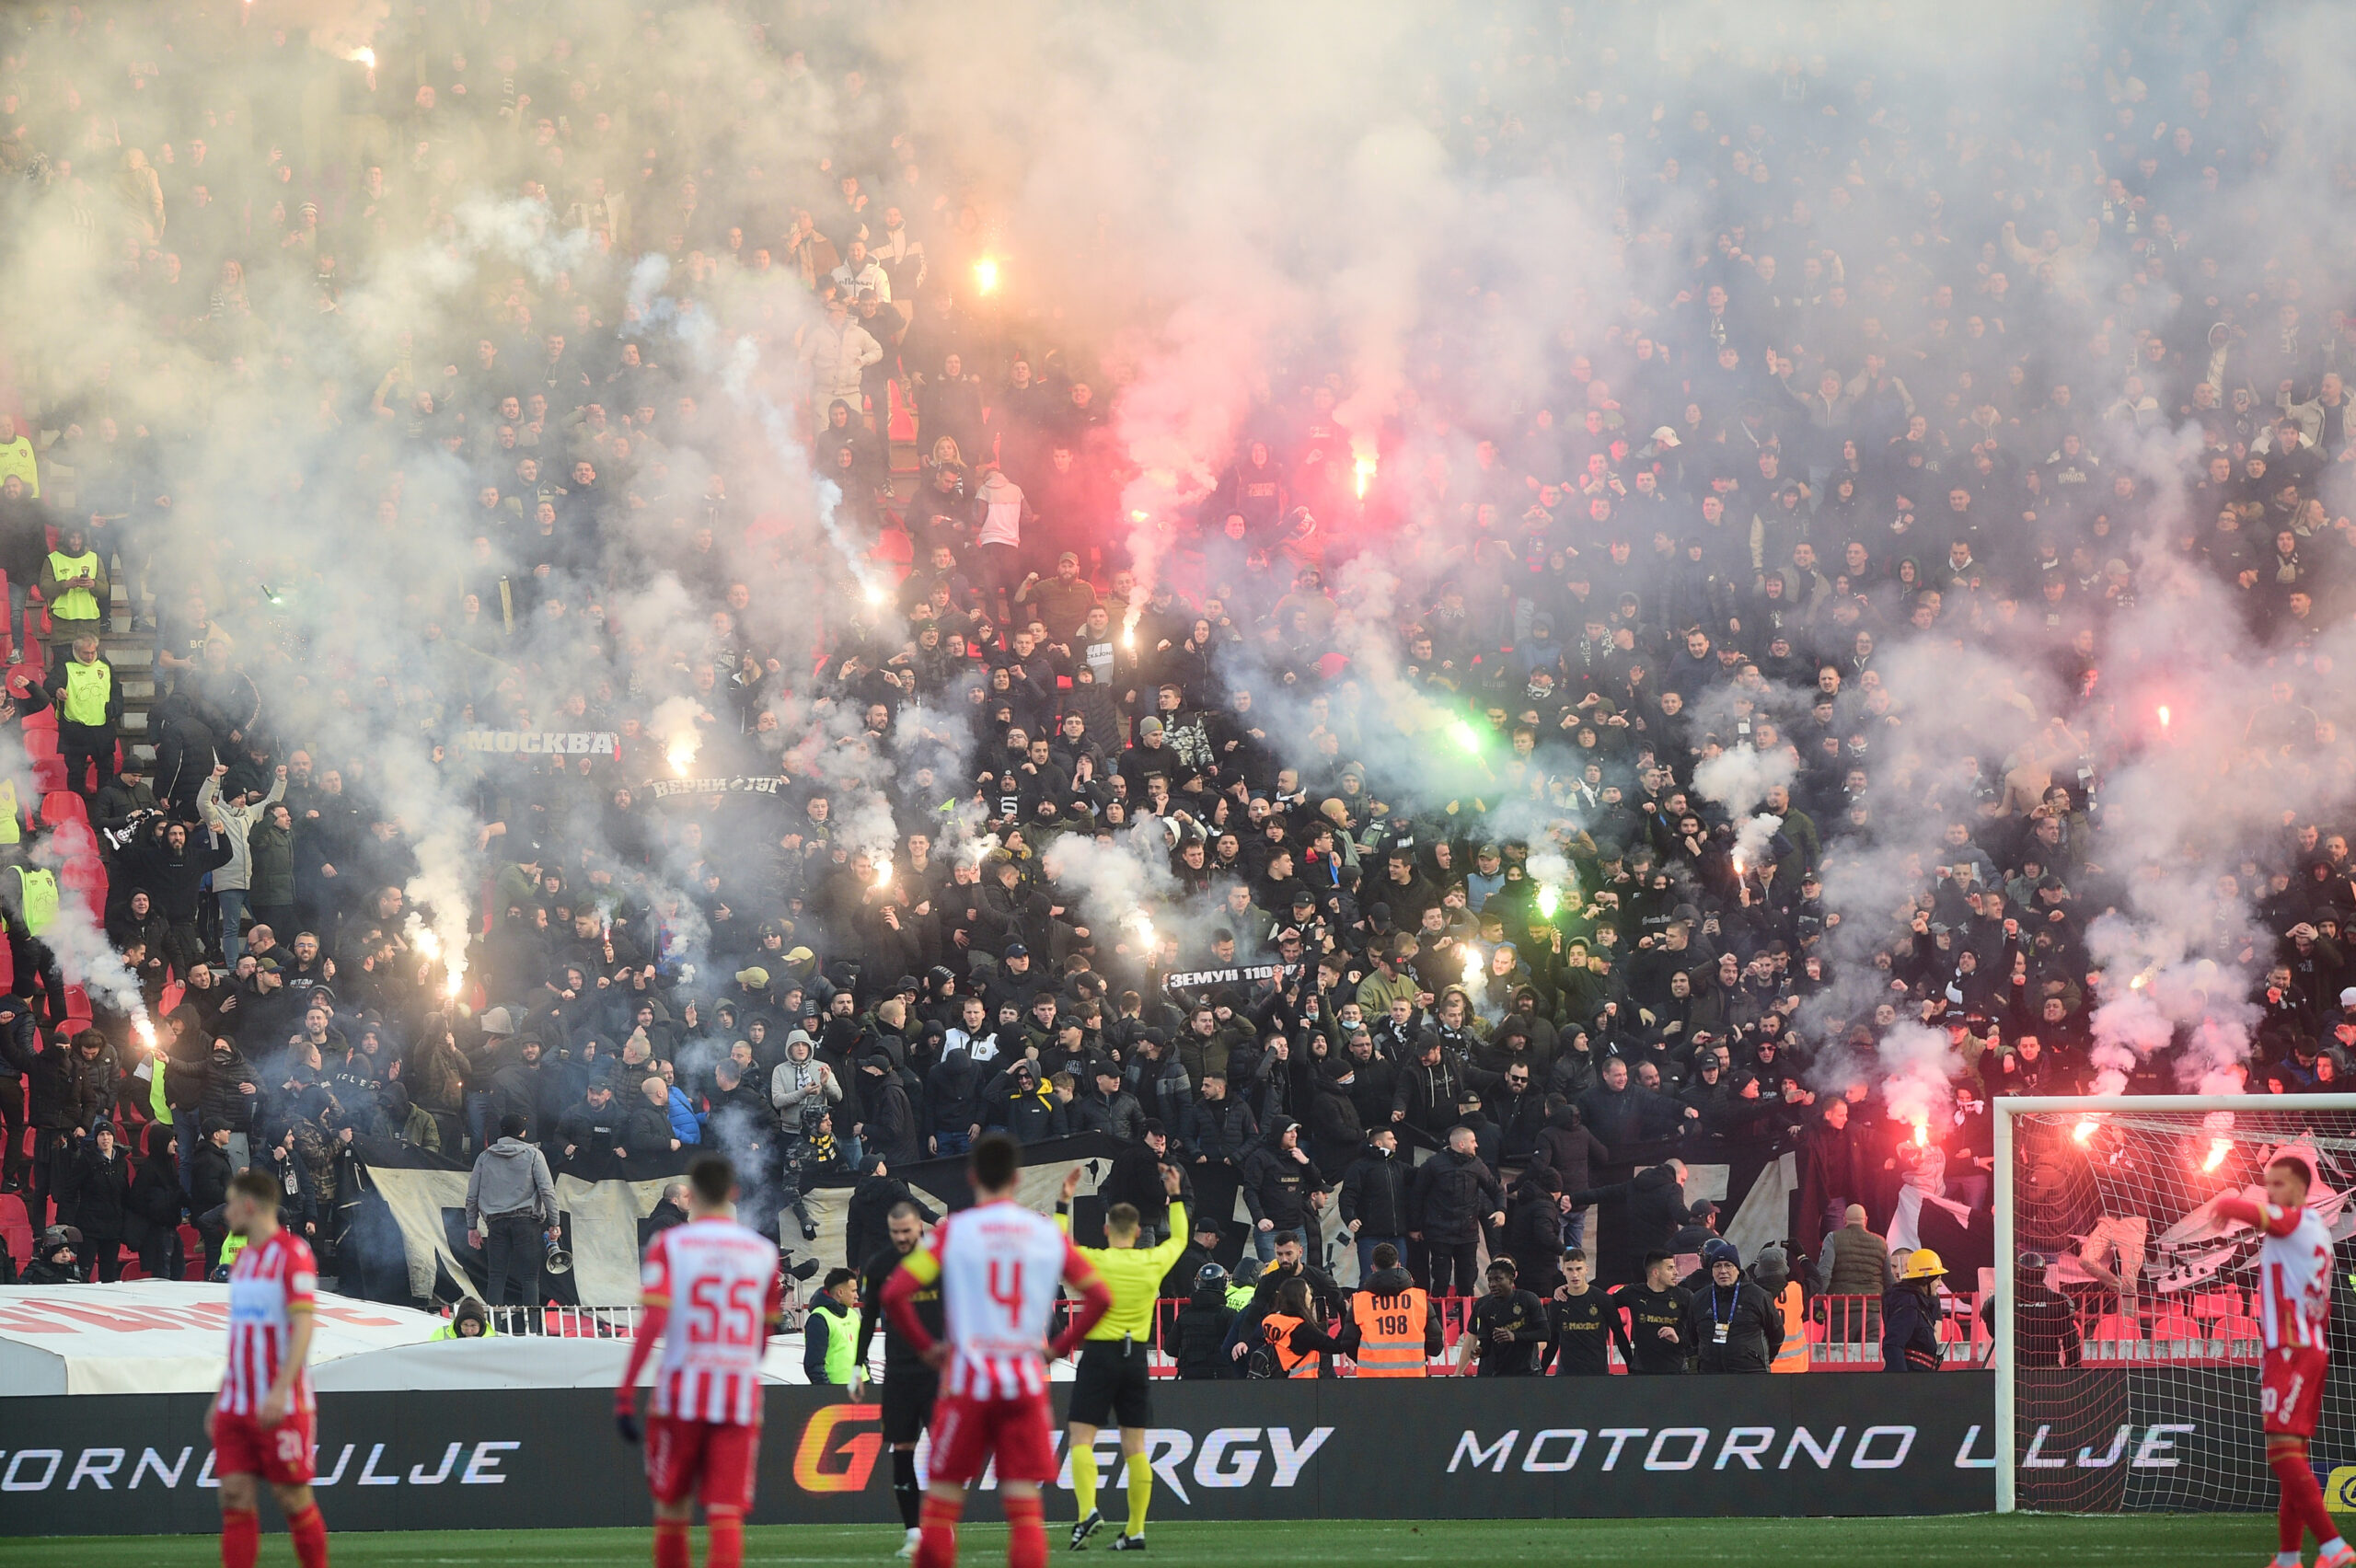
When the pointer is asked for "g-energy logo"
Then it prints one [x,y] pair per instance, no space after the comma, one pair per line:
[852,1461]
[835,1455]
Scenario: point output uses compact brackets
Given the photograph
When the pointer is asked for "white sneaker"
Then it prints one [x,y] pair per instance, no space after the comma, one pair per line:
[907,1551]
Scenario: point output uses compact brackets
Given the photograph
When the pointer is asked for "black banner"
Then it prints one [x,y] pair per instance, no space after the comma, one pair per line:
[1195,984]
[1446,1449]
[2159,1439]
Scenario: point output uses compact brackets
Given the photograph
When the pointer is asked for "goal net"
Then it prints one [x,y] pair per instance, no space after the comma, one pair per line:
[2127,1336]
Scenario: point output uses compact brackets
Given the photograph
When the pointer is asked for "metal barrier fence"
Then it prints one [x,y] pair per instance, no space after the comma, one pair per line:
[566,1322]
[1843,1333]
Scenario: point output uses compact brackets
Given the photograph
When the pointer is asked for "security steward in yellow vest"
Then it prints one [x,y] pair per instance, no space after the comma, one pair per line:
[74,586]
[20,695]
[1398,1333]
[89,709]
[1114,1379]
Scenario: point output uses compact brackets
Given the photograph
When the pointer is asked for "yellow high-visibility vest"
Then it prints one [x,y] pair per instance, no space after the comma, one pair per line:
[74,603]
[88,688]
[36,898]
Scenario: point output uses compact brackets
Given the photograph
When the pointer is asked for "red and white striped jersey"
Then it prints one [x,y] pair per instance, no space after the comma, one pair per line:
[2294,1272]
[1002,1268]
[269,1283]
[720,1284]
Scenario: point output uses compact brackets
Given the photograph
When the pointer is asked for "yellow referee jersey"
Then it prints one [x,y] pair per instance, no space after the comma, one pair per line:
[1134,1275]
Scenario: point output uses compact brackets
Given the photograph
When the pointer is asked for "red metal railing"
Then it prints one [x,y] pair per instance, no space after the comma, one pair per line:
[1843,1335]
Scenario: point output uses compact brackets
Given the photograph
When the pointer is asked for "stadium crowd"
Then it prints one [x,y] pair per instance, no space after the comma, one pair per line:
[1428,921]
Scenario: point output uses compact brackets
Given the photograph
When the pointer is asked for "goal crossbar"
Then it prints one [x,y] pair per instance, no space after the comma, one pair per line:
[2003,1109]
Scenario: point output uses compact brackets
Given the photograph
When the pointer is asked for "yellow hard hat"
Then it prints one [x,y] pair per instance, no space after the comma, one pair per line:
[1924,1264]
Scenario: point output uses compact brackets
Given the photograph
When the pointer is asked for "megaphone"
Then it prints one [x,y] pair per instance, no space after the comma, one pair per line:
[559,1262]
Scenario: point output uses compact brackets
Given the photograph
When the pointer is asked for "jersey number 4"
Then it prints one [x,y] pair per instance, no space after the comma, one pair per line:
[736,1322]
[1006,1288]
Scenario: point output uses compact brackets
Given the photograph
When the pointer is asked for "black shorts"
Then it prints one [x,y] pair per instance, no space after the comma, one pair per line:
[907,1403]
[1112,1382]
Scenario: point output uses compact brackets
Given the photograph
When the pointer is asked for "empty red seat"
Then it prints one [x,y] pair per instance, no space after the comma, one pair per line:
[16,1230]
[85,874]
[48,772]
[63,806]
[40,744]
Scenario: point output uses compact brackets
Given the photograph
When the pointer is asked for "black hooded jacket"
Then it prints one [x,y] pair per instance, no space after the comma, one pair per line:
[1277,1182]
[1452,1194]
[1375,1193]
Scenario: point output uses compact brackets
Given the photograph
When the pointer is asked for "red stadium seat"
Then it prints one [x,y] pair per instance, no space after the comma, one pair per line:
[48,772]
[2174,1325]
[16,1230]
[2237,1327]
[2116,1326]
[63,806]
[2217,1304]
[40,744]
[87,874]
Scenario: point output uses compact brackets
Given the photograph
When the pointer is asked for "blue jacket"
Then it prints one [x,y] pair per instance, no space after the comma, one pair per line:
[686,1121]
[1909,1330]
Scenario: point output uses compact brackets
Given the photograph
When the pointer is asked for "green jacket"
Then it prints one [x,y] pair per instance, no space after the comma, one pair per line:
[830,1336]
[272,853]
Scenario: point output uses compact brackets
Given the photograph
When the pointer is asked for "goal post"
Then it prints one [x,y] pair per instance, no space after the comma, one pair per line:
[2126,1354]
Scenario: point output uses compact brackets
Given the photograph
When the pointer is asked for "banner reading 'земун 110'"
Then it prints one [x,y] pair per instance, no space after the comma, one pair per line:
[1446,1449]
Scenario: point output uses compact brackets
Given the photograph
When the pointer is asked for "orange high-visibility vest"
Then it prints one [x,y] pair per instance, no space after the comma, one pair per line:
[1291,1363]
[1391,1334]
[1792,1357]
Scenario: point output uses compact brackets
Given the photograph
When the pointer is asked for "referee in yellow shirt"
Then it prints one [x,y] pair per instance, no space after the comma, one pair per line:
[1112,1379]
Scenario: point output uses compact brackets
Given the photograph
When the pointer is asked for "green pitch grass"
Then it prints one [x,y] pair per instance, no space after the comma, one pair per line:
[1970,1542]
